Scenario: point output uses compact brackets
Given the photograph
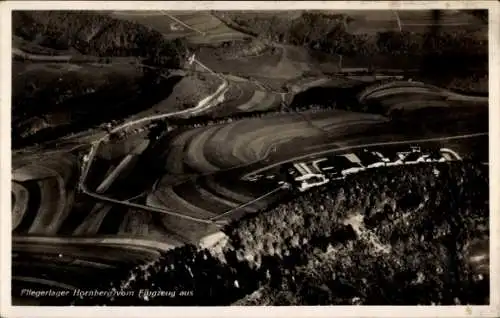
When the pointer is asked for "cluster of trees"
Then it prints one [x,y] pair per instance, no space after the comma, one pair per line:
[97,34]
[425,218]
[307,252]
[329,33]
[218,117]
[187,276]
[61,91]
[68,98]
[234,49]
[45,90]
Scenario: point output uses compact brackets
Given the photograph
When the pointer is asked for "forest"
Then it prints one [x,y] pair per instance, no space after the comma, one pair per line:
[403,236]
[97,34]
[441,50]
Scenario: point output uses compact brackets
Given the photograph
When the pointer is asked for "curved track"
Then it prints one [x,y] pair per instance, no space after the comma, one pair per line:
[410,91]
[67,262]
[255,145]
[221,155]
[224,146]
[19,203]
[51,177]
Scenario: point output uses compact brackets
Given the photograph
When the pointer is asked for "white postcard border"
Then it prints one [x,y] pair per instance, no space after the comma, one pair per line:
[311,311]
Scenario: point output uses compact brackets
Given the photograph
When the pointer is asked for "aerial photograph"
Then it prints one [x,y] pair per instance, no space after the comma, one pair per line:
[250,158]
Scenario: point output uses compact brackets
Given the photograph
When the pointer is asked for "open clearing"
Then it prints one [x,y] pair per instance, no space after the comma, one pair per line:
[198,27]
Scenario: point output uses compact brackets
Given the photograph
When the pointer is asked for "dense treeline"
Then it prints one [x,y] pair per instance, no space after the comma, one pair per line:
[96,34]
[51,100]
[48,96]
[481,14]
[329,33]
[412,233]
[397,237]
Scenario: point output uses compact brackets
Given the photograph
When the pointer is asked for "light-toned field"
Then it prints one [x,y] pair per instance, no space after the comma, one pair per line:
[244,96]
[215,150]
[280,62]
[55,200]
[305,83]
[225,146]
[373,21]
[188,92]
[251,65]
[419,21]
[45,205]
[198,27]
[397,95]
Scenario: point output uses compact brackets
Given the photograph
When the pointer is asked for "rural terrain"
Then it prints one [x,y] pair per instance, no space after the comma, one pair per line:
[250,157]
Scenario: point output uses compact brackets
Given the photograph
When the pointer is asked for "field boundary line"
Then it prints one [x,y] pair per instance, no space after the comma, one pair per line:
[398,20]
[182,23]
[389,143]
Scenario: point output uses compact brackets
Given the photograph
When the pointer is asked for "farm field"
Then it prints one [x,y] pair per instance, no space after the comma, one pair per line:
[244,96]
[199,28]
[188,91]
[251,158]
[411,21]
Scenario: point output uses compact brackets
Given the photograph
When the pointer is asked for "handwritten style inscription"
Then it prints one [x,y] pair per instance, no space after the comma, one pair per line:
[112,293]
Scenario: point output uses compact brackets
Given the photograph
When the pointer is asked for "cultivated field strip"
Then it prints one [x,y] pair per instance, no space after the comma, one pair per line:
[186,230]
[217,188]
[219,156]
[254,101]
[52,203]
[192,192]
[410,21]
[111,254]
[188,92]
[246,141]
[94,219]
[207,150]
[144,225]
[159,22]
[52,177]
[175,149]
[74,261]
[109,251]
[447,19]
[265,64]
[237,94]
[414,95]
[200,27]
[19,203]
[249,141]
[195,154]
[219,147]
[165,196]
[43,205]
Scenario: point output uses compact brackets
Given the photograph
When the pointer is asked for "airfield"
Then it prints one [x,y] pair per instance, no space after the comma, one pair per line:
[233,121]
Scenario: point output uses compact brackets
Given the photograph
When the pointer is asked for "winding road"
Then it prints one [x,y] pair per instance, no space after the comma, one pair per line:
[203,105]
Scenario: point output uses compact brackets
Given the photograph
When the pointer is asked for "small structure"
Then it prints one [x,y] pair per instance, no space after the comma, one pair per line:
[310,176]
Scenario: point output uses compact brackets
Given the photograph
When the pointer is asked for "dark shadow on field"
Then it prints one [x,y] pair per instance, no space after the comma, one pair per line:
[296,275]
[91,110]
[330,97]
